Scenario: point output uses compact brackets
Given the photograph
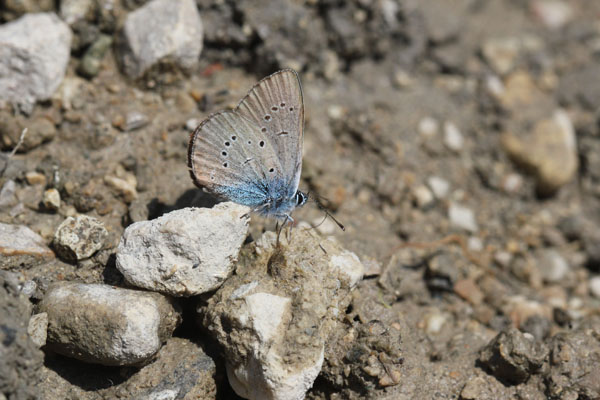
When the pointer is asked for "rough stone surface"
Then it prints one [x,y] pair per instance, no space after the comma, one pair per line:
[38,328]
[107,325]
[21,359]
[273,317]
[160,31]
[550,152]
[79,237]
[34,52]
[513,356]
[20,245]
[185,252]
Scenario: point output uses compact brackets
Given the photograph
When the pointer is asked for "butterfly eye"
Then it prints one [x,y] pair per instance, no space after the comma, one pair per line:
[262,143]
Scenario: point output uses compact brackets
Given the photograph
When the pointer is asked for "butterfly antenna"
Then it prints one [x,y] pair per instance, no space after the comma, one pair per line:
[315,198]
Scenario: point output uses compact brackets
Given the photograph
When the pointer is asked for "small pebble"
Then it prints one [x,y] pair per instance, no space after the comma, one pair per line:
[512,183]
[423,196]
[428,127]
[553,266]
[51,199]
[595,286]
[462,217]
[438,186]
[35,178]
[453,139]
[38,328]
[191,124]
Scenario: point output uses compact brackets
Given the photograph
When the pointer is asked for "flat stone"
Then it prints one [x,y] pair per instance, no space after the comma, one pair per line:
[34,52]
[20,245]
[462,217]
[160,31]
[107,325]
[185,252]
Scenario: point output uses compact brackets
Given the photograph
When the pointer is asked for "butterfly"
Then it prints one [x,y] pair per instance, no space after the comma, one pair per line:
[252,155]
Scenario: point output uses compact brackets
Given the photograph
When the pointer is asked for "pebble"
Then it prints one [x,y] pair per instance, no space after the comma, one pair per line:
[21,245]
[552,266]
[8,194]
[434,322]
[428,127]
[423,196]
[38,329]
[550,151]
[42,45]
[51,199]
[192,124]
[35,178]
[554,14]
[453,138]
[159,30]
[72,11]
[439,186]
[125,188]
[501,53]
[595,286]
[185,252]
[79,237]
[462,218]
[512,183]
[468,290]
[92,58]
[107,325]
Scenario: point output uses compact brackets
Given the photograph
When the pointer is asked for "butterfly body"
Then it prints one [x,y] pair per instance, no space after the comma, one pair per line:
[252,155]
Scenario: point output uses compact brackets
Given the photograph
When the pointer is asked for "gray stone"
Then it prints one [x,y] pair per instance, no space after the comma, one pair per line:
[20,245]
[160,31]
[8,194]
[513,356]
[185,252]
[438,186]
[34,52]
[72,11]
[38,329]
[79,237]
[92,59]
[281,307]
[552,266]
[107,325]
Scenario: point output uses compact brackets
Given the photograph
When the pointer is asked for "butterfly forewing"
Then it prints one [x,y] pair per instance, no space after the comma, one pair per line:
[229,155]
[276,106]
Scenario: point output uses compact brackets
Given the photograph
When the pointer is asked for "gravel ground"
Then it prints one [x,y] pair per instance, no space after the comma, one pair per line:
[457,141]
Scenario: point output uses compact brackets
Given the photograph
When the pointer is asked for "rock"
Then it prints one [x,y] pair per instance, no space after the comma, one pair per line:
[273,317]
[501,53]
[468,290]
[21,359]
[554,14]
[423,196]
[19,245]
[511,183]
[125,188]
[434,322]
[462,218]
[79,237]
[552,266]
[160,32]
[550,152]
[38,329]
[513,356]
[453,139]
[51,199]
[132,121]
[92,59]
[428,127]
[72,11]
[185,252]
[34,52]
[8,194]
[595,286]
[35,178]
[438,186]
[107,325]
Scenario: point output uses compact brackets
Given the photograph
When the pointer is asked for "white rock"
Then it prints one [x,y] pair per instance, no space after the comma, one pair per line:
[453,139]
[79,237]
[349,267]
[34,52]
[553,13]
[51,199]
[439,186]
[185,252]
[595,286]
[553,266]
[462,217]
[423,196]
[72,11]
[428,127]
[160,30]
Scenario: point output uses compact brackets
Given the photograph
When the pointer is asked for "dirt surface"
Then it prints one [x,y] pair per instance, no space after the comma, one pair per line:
[395,93]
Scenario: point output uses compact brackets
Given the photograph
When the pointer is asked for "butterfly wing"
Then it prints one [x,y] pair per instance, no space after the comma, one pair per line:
[275,104]
[230,157]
